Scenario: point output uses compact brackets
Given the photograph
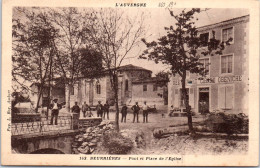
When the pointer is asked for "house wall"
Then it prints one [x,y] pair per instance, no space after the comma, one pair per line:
[127,95]
[102,96]
[150,96]
[238,79]
[87,91]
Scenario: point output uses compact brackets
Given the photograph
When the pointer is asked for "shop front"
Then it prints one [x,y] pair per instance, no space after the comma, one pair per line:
[210,94]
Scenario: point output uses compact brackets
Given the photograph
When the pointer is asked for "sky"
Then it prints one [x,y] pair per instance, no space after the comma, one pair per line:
[160,18]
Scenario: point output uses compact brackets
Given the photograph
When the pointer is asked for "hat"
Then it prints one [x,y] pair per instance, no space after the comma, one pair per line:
[55,99]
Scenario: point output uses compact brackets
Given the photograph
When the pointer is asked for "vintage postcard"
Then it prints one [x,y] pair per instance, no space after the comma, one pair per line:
[130,83]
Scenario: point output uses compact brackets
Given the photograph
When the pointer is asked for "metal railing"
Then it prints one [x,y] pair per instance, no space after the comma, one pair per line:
[63,123]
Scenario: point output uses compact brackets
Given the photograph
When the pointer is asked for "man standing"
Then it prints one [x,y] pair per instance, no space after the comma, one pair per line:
[76,109]
[55,111]
[106,110]
[136,110]
[99,109]
[84,109]
[124,112]
[145,112]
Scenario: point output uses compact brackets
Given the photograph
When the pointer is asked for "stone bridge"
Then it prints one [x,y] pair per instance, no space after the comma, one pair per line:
[52,142]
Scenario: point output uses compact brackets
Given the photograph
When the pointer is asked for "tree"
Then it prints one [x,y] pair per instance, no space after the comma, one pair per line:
[71,40]
[181,49]
[162,79]
[53,43]
[32,48]
[115,34]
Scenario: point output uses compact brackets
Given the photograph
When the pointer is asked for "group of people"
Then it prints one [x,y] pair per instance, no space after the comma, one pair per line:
[102,111]
[136,109]
[86,110]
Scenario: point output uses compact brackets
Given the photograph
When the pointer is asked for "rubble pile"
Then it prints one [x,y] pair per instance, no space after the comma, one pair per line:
[87,142]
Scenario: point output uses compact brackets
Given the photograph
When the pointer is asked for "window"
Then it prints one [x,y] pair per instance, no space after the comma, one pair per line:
[226,96]
[98,88]
[204,38]
[205,65]
[227,34]
[126,85]
[71,90]
[144,88]
[154,87]
[226,64]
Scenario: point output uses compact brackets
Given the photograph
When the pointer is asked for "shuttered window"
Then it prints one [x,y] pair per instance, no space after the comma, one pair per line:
[227,64]
[98,88]
[126,85]
[226,96]
[144,88]
[191,98]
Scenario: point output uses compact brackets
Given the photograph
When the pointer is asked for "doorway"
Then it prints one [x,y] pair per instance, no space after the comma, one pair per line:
[204,100]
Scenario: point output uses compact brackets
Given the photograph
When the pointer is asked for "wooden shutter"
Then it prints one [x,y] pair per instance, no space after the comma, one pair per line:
[176,98]
[191,97]
[229,97]
[221,97]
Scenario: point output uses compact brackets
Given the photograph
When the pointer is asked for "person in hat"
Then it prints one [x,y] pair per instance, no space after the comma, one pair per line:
[136,110]
[84,109]
[99,108]
[106,110]
[124,113]
[75,108]
[55,107]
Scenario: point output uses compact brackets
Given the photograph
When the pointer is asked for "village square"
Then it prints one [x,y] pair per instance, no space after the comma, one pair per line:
[88,82]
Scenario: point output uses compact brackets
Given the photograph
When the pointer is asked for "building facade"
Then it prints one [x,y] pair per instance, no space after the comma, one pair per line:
[150,91]
[225,86]
[129,77]
[57,91]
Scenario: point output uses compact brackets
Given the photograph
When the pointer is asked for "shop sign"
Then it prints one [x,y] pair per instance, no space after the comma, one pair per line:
[229,79]
[207,80]
[190,81]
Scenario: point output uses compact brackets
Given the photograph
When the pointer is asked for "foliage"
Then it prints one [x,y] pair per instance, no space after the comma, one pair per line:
[90,63]
[49,41]
[32,46]
[227,123]
[116,143]
[162,78]
[19,97]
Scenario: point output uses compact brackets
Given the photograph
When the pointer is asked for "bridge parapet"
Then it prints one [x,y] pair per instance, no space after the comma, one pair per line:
[41,126]
[89,122]
[40,136]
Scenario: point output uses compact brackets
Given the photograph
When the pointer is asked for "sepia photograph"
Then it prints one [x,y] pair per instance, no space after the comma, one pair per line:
[131,82]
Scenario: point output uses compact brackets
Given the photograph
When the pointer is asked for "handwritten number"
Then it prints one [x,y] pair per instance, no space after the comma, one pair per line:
[161,4]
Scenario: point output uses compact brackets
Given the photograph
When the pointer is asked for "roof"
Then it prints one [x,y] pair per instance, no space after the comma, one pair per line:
[225,22]
[131,67]
[147,80]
